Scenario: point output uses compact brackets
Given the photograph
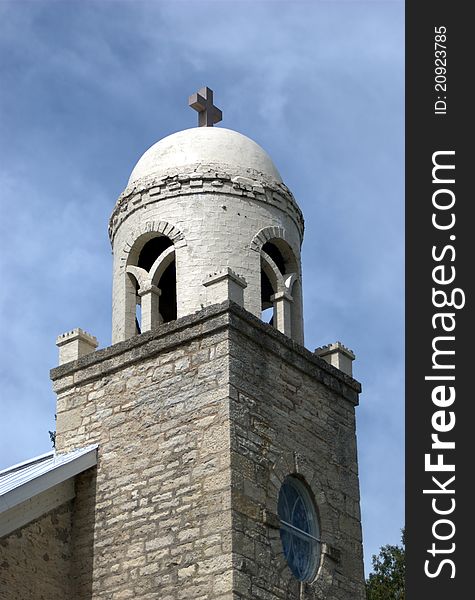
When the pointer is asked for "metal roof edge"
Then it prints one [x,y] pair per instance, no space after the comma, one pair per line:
[30,461]
[56,474]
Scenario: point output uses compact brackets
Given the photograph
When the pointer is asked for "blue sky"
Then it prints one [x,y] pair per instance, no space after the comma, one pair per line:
[87,87]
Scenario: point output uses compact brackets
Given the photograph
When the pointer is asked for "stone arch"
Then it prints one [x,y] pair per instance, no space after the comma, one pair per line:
[272,272]
[286,299]
[161,264]
[145,232]
[266,234]
[141,285]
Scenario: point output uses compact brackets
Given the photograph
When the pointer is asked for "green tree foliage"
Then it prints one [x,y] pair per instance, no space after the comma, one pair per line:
[387,581]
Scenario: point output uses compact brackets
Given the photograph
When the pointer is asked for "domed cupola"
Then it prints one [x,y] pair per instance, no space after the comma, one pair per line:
[212,147]
[205,217]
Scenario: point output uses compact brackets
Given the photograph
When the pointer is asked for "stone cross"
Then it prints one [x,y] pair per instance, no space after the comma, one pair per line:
[202,101]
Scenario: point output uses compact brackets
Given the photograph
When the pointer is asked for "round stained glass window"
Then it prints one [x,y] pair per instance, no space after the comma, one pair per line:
[299,529]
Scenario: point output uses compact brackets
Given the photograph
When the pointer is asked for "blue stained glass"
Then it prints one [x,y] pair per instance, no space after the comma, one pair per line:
[299,516]
[299,530]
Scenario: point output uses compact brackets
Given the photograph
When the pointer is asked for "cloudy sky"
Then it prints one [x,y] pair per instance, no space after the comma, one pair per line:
[86,87]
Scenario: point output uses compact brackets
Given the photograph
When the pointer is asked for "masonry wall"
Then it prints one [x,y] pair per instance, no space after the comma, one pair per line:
[35,559]
[198,422]
[154,520]
[175,205]
[290,416]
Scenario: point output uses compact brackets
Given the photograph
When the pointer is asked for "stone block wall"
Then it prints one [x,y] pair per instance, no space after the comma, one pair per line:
[291,416]
[35,560]
[198,422]
[155,520]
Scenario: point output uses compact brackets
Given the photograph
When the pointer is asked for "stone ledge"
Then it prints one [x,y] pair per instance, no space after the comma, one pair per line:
[291,344]
[165,337]
[208,320]
[295,354]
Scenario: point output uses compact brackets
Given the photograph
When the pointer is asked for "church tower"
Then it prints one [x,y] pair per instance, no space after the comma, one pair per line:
[205,213]
[226,462]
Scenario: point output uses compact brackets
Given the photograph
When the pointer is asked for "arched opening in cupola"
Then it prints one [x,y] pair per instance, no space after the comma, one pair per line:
[151,250]
[152,272]
[273,251]
[280,288]
[267,307]
[166,282]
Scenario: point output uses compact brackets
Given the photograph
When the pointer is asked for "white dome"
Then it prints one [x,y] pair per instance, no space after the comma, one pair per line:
[205,146]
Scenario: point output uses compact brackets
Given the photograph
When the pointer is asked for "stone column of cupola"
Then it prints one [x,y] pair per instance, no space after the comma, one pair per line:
[216,208]
[282,312]
[150,307]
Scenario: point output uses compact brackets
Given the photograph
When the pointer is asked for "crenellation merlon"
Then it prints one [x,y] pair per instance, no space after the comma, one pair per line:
[337,355]
[74,344]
